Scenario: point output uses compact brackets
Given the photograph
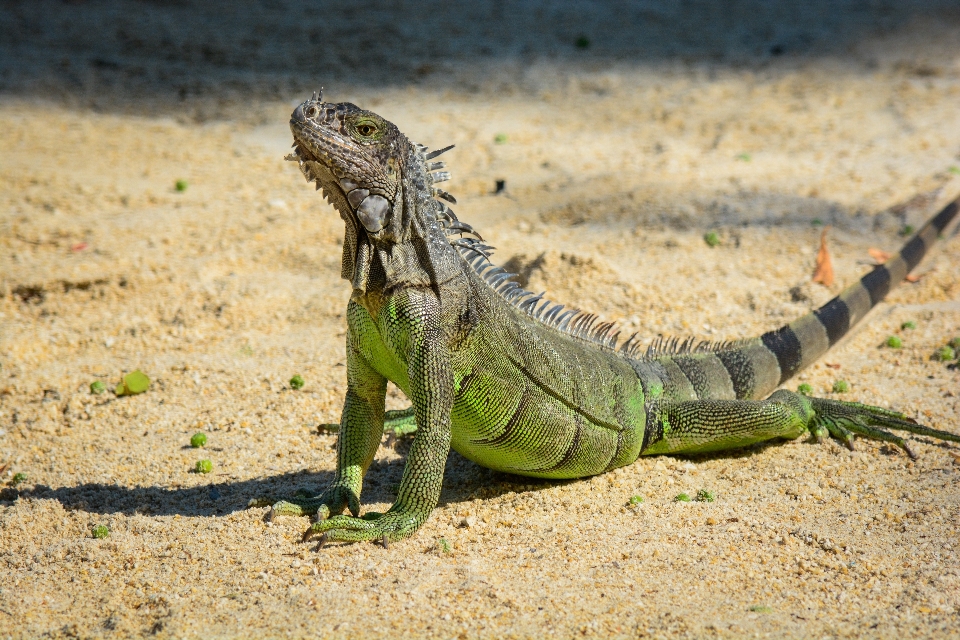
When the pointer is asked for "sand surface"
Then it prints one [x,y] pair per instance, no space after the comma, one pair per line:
[760,121]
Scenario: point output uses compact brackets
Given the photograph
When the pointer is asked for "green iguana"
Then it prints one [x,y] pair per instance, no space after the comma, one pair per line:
[517,383]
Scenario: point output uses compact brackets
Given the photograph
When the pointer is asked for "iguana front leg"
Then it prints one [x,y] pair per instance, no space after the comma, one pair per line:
[361,430]
[697,426]
[432,390]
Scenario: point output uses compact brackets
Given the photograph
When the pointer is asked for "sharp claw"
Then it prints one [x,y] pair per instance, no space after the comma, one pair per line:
[849,444]
[271,515]
[321,542]
[385,542]
[307,534]
[909,451]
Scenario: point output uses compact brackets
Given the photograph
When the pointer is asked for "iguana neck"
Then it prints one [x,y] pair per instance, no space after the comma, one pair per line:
[412,251]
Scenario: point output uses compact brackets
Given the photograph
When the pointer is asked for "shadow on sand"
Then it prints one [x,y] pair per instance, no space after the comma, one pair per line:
[215,59]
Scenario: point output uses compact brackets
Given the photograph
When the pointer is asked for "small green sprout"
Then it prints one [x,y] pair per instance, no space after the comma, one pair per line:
[894,342]
[955,343]
[198,440]
[444,545]
[711,238]
[945,354]
[841,386]
[500,138]
[583,42]
[100,531]
[761,608]
[296,382]
[955,170]
[907,230]
[681,497]
[132,384]
[204,466]
[804,389]
[635,500]
[18,478]
[705,496]
[909,324]
[97,387]
[181,185]
[743,157]
[817,222]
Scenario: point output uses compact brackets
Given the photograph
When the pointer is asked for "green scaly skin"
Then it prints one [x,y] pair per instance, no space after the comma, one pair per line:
[514,382]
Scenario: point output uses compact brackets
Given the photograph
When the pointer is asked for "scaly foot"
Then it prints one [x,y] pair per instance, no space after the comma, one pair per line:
[334,500]
[385,527]
[846,420]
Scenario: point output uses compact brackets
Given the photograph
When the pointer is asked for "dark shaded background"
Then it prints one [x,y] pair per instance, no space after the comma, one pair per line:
[181,57]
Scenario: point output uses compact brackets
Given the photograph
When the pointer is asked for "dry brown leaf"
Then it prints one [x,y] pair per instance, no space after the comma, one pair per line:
[879,255]
[824,271]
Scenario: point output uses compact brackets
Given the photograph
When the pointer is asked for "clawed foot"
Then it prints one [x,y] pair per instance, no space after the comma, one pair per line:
[332,501]
[846,420]
[382,527]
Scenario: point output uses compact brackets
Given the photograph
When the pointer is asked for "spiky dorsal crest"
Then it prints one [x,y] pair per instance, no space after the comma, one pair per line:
[672,346]
[574,322]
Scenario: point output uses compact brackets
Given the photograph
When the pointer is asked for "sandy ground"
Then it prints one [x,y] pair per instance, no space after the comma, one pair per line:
[760,124]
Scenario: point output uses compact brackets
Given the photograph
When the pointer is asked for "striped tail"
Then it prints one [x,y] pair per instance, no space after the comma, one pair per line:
[799,343]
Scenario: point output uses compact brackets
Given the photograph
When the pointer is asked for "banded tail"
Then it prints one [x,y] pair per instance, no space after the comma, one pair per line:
[754,368]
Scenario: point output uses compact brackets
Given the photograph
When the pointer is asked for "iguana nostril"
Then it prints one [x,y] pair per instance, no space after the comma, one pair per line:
[298,114]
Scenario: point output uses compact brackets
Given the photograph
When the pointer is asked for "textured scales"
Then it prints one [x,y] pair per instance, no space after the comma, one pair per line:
[513,381]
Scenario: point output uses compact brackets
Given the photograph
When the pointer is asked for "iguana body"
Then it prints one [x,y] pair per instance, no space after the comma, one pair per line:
[514,382]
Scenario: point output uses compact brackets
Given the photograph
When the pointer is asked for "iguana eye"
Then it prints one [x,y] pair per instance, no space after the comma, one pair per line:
[366,130]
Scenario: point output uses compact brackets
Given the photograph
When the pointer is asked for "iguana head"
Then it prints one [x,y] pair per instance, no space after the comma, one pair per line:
[380,183]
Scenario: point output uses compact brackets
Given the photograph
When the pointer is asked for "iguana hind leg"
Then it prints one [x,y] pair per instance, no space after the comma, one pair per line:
[699,426]
[400,422]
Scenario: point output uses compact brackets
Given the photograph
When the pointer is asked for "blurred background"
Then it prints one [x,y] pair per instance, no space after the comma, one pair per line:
[221,59]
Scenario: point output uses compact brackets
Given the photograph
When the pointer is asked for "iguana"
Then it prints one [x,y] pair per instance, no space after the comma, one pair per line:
[515,382]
